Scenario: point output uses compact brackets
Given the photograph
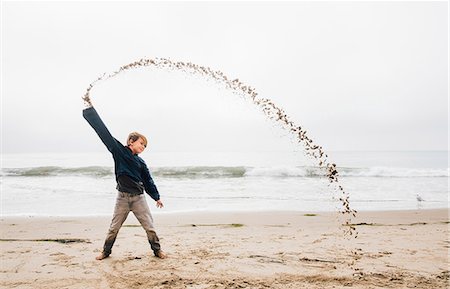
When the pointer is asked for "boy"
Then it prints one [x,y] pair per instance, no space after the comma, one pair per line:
[132,176]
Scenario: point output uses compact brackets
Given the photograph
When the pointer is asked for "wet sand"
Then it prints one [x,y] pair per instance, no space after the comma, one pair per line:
[394,249]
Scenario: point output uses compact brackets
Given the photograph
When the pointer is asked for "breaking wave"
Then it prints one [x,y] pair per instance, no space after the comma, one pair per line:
[194,172]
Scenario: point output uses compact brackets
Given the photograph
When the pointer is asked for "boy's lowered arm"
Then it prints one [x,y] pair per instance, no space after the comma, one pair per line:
[92,117]
[149,185]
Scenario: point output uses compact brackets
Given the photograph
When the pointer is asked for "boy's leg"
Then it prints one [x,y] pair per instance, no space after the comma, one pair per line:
[140,209]
[121,211]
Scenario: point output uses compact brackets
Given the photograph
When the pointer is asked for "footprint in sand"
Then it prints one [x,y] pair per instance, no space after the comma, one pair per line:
[318,240]
[202,253]
[378,254]
[62,258]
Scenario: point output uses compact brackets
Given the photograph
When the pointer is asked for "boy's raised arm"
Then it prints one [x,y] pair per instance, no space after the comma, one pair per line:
[92,117]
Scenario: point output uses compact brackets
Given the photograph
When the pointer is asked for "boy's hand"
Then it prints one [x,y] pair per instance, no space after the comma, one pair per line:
[159,204]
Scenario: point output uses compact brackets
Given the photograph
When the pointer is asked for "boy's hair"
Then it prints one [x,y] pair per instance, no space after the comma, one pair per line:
[134,136]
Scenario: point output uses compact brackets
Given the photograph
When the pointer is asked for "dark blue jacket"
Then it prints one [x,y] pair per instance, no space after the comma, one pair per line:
[125,163]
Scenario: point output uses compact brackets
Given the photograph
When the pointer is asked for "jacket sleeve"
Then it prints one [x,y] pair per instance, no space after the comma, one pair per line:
[149,185]
[92,117]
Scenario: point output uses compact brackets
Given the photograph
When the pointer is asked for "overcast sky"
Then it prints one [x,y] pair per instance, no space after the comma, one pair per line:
[355,75]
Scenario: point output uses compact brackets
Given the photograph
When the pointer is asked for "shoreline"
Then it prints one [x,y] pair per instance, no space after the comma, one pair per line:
[157,212]
[275,249]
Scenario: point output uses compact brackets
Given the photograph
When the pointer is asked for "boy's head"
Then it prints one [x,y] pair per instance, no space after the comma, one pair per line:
[136,142]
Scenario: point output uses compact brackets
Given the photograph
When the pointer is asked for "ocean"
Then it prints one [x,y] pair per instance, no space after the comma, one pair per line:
[83,184]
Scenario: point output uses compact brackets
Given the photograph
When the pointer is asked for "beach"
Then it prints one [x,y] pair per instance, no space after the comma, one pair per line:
[280,249]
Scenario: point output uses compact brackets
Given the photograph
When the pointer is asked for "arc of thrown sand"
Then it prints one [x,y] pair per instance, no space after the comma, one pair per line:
[269,108]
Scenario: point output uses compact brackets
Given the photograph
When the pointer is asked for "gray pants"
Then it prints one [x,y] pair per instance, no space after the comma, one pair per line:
[137,204]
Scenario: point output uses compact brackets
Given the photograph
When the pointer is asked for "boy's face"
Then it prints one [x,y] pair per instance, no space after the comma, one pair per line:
[137,146]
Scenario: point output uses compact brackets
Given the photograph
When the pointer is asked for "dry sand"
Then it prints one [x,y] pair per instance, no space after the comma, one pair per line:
[395,249]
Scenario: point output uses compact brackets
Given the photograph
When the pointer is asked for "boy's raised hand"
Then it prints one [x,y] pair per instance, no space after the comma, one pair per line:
[159,204]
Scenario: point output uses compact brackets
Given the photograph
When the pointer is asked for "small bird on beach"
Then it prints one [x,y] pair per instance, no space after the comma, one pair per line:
[419,198]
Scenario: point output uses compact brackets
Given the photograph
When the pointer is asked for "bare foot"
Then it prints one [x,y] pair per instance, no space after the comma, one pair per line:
[160,254]
[102,256]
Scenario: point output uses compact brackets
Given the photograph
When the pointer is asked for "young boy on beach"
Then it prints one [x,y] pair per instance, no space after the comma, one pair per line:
[133,177]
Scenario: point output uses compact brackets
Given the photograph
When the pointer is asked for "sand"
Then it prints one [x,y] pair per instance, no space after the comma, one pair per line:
[395,249]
